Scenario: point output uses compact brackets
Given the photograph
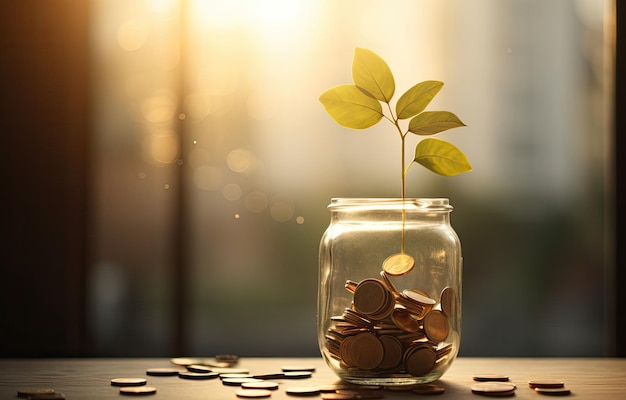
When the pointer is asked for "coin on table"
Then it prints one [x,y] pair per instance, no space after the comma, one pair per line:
[229,358]
[260,385]
[128,381]
[25,392]
[294,368]
[253,393]
[47,396]
[560,391]
[398,264]
[494,388]
[428,388]
[490,378]
[545,383]
[138,391]
[239,381]
[436,326]
[197,375]
[184,361]
[199,368]
[304,391]
[162,371]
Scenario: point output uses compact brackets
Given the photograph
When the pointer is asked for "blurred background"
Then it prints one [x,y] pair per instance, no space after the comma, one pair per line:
[168,167]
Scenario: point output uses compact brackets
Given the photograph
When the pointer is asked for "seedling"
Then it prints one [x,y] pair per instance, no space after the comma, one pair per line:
[364,103]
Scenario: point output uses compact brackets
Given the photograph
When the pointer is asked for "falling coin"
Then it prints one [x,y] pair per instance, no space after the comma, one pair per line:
[398,264]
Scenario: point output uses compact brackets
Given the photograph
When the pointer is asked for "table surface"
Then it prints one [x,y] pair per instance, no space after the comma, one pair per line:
[587,378]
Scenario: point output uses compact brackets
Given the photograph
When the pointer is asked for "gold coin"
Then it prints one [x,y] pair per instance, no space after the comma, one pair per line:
[494,388]
[398,264]
[436,326]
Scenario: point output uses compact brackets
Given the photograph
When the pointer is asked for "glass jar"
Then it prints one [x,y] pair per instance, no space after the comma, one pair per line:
[389,296]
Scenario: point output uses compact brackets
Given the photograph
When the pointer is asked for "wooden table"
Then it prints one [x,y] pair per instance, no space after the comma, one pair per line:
[587,378]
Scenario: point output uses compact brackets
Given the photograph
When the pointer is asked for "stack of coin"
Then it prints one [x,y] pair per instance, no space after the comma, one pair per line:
[386,331]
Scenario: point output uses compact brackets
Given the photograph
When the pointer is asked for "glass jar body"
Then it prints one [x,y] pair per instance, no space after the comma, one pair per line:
[382,323]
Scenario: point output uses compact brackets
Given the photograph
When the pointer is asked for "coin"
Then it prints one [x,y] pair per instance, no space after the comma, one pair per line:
[128,381]
[47,396]
[404,320]
[184,361]
[494,388]
[25,392]
[197,375]
[490,377]
[448,300]
[228,358]
[239,381]
[366,351]
[228,376]
[428,388]
[560,391]
[294,368]
[545,383]
[303,391]
[392,352]
[419,359]
[198,368]
[162,371]
[260,385]
[436,326]
[398,264]
[253,393]
[371,296]
[138,391]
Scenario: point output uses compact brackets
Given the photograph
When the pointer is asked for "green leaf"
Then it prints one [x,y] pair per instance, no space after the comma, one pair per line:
[432,122]
[372,74]
[441,157]
[350,107]
[415,100]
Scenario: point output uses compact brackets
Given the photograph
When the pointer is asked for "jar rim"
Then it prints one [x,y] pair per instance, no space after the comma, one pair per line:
[378,203]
